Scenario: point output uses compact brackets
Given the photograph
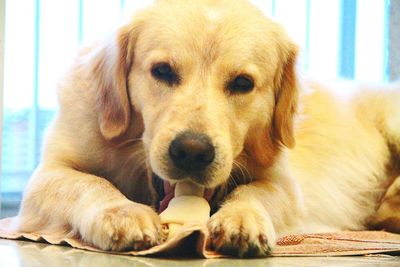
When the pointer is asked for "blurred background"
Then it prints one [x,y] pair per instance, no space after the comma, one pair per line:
[339,39]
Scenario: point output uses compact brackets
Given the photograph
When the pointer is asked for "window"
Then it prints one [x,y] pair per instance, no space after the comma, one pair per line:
[338,38]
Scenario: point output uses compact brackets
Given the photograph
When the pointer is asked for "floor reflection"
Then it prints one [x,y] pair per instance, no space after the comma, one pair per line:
[24,253]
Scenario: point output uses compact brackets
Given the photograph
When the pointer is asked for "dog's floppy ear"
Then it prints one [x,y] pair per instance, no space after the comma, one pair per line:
[286,98]
[110,68]
[264,143]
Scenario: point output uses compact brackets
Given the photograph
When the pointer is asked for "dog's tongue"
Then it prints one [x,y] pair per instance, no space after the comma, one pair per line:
[169,193]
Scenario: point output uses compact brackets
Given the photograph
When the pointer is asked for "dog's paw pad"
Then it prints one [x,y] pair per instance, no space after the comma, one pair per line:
[126,227]
[241,234]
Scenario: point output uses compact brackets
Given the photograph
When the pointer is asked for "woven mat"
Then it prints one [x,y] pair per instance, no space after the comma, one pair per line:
[191,240]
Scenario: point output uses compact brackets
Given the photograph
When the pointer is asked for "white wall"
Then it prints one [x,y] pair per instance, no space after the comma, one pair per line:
[2,21]
[394,46]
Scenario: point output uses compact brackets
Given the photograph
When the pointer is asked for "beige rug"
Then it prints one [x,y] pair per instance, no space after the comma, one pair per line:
[191,241]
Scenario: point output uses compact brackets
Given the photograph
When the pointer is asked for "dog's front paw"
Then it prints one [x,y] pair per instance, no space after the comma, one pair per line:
[128,226]
[241,232]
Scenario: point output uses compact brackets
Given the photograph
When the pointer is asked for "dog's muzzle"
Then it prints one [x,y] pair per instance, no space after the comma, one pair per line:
[165,192]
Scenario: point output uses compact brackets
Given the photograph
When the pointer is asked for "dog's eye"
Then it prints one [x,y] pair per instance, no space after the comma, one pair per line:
[241,84]
[165,73]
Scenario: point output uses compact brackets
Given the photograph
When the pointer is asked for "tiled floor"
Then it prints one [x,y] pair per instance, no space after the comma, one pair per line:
[22,253]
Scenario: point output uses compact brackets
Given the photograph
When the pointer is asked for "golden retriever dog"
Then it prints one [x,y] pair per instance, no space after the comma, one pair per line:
[207,90]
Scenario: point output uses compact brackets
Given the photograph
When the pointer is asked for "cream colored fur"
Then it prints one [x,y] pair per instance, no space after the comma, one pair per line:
[116,122]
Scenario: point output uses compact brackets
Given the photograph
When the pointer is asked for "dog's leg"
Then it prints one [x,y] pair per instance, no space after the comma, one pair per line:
[248,222]
[387,216]
[89,206]
[388,123]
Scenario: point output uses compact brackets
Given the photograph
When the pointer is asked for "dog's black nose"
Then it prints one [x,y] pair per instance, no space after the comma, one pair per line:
[191,151]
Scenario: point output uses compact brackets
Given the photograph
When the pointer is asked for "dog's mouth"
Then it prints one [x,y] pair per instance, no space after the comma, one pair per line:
[166,191]
[202,178]
[200,157]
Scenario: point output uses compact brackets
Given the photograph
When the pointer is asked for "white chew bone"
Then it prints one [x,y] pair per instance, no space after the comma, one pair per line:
[188,205]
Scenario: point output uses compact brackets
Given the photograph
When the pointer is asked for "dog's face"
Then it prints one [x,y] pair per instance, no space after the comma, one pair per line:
[210,79]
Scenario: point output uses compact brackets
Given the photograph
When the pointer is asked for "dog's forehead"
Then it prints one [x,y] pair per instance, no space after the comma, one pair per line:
[209,31]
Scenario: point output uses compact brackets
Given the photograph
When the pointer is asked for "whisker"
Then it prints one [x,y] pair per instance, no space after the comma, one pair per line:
[239,167]
[244,171]
[128,142]
[233,180]
[137,157]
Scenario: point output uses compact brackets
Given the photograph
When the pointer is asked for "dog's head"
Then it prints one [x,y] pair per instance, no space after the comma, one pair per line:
[210,80]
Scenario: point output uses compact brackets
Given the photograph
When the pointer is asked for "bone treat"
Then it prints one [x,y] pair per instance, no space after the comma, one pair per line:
[188,206]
